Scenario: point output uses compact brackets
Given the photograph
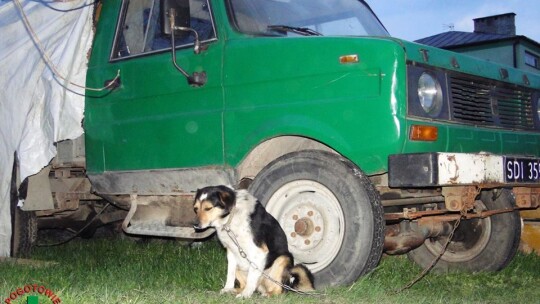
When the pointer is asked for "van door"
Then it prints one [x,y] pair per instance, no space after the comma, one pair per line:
[154,119]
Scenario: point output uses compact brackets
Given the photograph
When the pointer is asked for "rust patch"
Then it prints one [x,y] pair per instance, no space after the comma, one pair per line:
[452,160]
[527,197]
[442,215]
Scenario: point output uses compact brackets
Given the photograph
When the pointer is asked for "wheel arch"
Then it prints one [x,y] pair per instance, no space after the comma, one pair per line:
[272,148]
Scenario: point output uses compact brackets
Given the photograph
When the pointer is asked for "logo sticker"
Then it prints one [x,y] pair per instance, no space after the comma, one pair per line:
[32,294]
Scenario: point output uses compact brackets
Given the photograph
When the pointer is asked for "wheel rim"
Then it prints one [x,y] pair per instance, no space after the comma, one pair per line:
[312,218]
[470,238]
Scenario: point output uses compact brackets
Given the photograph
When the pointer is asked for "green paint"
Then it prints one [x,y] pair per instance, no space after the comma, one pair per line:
[32,300]
[262,87]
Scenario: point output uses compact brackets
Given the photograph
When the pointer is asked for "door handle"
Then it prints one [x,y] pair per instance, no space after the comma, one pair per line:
[112,84]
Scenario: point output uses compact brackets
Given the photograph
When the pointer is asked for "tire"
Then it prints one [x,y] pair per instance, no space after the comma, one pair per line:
[478,245]
[23,223]
[329,210]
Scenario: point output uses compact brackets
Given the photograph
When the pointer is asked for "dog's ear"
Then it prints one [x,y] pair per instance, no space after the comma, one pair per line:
[197,195]
[227,197]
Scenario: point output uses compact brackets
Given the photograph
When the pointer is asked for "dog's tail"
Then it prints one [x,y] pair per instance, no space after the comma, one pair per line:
[301,278]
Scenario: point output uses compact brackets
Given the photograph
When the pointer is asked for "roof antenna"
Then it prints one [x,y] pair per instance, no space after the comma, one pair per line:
[448,27]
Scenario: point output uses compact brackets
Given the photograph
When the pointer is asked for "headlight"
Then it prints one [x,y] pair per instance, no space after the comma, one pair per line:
[430,94]
[427,92]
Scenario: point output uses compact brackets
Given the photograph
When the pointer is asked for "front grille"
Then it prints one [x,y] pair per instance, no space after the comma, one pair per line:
[490,103]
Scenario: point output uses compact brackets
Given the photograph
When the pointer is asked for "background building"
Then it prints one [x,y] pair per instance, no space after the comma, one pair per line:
[494,39]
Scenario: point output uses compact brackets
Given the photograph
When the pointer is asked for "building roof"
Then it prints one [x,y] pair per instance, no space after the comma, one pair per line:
[494,16]
[454,39]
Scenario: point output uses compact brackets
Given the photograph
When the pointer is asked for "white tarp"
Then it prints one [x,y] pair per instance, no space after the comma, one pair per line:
[36,110]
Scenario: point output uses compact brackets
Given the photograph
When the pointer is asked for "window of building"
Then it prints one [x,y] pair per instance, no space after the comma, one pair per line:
[532,60]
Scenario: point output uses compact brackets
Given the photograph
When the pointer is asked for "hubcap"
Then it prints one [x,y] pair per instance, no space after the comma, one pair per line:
[312,218]
[306,225]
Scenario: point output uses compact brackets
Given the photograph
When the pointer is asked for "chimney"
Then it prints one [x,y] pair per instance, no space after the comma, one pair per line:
[499,24]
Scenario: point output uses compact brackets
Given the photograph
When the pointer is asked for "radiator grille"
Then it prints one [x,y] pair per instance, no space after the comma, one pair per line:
[493,104]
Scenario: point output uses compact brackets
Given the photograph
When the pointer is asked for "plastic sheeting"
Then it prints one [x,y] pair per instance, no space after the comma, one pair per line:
[36,109]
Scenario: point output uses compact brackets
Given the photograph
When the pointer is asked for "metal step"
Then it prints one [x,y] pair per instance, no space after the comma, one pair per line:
[157,228]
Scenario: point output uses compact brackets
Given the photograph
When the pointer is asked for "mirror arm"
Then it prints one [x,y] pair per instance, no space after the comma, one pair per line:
[197,79]
[197,46]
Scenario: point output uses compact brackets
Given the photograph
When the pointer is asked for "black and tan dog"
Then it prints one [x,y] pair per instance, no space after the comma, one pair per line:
[255,243]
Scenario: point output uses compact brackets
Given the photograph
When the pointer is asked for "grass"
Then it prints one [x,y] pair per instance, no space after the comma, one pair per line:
[115,270]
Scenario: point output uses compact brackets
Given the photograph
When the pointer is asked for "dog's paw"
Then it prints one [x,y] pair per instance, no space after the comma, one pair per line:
[227,290]
[244,295]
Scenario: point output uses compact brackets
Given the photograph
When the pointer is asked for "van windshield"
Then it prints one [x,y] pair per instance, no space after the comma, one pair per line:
[305,17]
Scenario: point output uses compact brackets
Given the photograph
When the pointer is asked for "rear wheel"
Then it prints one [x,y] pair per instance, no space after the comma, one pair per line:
[329,210]
[23,223]
[487,244]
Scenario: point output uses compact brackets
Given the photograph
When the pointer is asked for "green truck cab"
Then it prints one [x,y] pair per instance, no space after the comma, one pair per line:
[357,142]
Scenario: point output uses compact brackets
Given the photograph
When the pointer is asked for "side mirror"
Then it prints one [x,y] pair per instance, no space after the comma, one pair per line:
[181,16]
[175,21]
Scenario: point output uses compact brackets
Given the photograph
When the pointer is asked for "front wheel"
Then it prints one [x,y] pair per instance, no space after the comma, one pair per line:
[487,244]
[329,210]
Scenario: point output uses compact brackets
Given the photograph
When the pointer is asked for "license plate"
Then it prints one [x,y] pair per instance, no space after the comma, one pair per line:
[524,170]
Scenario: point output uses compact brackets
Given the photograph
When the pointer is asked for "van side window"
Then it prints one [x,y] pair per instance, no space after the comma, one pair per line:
[139,29]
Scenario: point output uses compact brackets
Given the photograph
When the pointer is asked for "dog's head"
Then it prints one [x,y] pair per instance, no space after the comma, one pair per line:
[212,204]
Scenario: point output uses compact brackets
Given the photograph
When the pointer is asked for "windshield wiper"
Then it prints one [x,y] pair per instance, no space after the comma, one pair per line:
[293,29]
